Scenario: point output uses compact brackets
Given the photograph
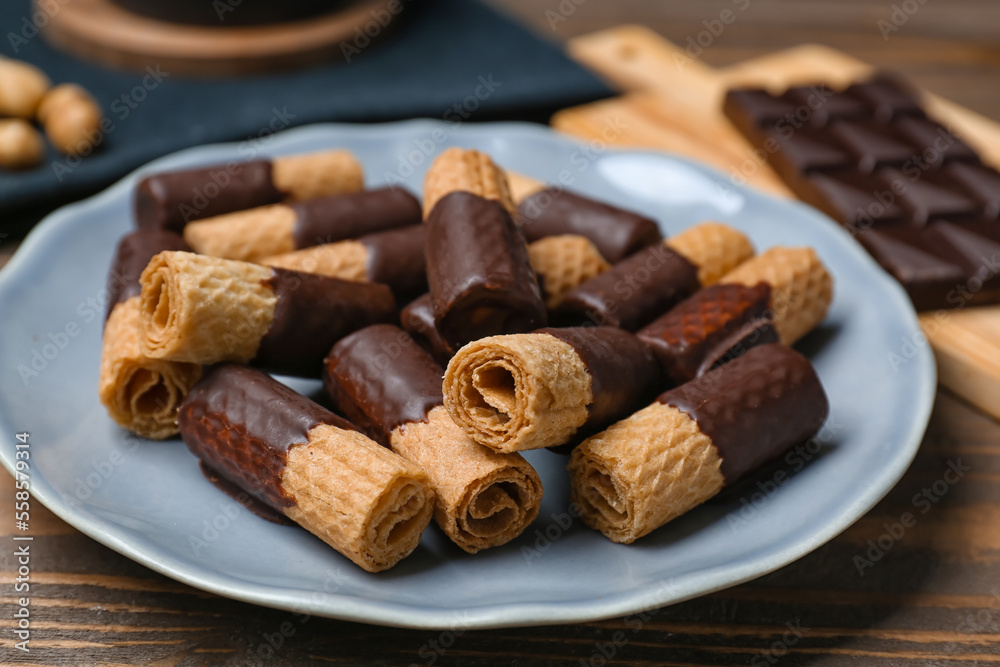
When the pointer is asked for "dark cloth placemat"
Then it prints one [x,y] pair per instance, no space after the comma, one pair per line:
[437,57]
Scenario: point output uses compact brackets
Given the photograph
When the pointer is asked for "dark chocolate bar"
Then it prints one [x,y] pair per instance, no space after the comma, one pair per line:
[481,281]
[615,232]
[912,192]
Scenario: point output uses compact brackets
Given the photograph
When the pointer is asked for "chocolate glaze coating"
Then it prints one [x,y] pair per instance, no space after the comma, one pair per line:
[396,258]
[249,503]
[631,293]
[481,281]
[132,254]
[418,320]
[755,407]
[173,199]
[707,326]
[623,373]
[312,313]
[342,217]
[736,344]
[615,232]
[242,422]
[381,379]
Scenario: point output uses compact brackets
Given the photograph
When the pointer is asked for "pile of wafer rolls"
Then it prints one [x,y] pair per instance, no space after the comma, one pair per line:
[494,316]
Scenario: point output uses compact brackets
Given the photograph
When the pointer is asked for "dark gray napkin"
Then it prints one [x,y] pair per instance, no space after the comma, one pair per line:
[446,53]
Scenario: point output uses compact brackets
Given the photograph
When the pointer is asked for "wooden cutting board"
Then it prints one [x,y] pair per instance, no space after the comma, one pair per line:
[673,102]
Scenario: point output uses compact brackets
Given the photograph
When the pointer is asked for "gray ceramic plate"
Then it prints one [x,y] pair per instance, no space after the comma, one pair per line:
[149,501]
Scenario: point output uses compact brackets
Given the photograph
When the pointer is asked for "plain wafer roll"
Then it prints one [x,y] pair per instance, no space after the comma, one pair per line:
[253,234]
[483,499]
[563,262]
[302,460]
[675,454]
[547,388]
[203,309]
[466,170]
[801,288]
[140,393]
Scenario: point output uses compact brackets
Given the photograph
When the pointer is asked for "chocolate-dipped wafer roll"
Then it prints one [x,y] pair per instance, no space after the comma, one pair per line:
[564,262]
[522,186]
[545,388]
[417,319]
[394,258]
[390,387]
[652,281]
[717,324]
[801,288]
[694,440]
[463,170]
[173,199]
[301,459]
[140,393]
[617,233]
[272,230]
[204,309]
[481,281]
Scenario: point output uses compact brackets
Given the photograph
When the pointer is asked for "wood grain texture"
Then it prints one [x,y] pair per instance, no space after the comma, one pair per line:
[932,599]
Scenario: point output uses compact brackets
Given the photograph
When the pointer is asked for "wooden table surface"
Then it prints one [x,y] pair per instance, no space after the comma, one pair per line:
[930,597]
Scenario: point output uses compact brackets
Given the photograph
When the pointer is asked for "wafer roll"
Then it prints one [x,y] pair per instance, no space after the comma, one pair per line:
[203,309]
[394,258]
[717,324]
[652,281]
[563,262]
[367,503]
[271,230]
[680,451]
[522,186]
[801,288]
[385,383]
[615,232]
[417,319]
[481,281]
[173,199]
[547,388]
[140,393]
[714,248]
[462,170]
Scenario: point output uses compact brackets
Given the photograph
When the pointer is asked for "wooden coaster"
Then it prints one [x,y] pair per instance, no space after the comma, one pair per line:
[103,31]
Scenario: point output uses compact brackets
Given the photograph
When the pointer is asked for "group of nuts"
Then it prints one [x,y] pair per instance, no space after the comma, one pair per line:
[68,113]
